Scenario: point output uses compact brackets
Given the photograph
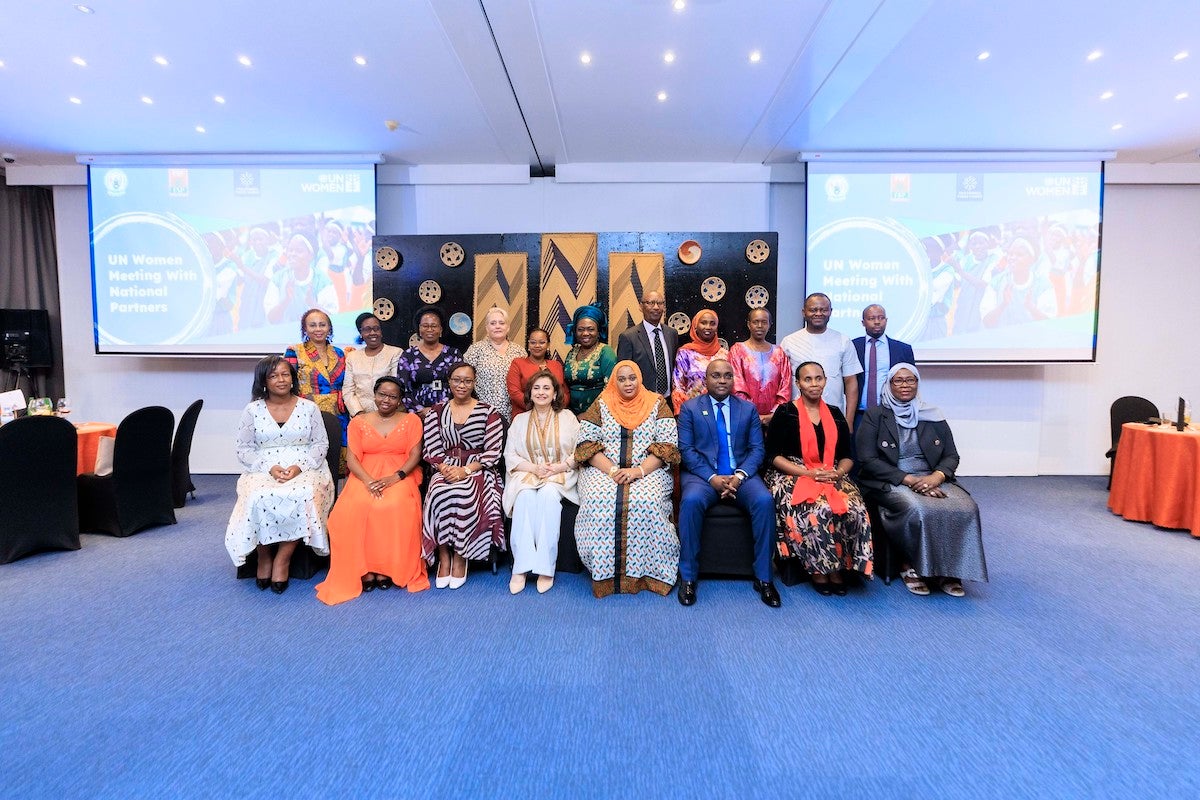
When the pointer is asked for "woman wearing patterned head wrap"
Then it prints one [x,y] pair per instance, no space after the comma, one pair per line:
[627,444]
[590,361]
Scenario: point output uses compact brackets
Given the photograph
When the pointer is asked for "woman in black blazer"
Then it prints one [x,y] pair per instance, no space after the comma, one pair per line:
[907,462]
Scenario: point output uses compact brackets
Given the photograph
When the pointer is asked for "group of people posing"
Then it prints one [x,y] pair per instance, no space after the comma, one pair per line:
[440,446]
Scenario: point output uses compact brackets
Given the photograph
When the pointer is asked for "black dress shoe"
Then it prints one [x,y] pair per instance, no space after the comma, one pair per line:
[384,583]
[368,585]
[823,589]
[838,588]
[769,594]
[279,587]
[687,593]
[758,585]
[262,583]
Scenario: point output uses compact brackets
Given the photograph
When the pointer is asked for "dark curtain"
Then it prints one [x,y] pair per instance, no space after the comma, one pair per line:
[29,271]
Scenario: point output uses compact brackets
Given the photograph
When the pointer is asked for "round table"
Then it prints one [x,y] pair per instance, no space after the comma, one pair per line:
[1156,476]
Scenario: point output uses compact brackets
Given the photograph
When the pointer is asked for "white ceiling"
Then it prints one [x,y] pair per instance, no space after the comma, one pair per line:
[834,75]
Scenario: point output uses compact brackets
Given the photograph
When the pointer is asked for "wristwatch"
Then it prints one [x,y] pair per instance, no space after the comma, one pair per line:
[401,474]
[741,473]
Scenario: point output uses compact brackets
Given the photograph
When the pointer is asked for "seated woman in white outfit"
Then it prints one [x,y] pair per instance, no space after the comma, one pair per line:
[285,492]
[541,472]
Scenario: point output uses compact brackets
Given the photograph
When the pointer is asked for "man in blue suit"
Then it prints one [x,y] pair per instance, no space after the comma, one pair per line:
[879,352]
[721,446]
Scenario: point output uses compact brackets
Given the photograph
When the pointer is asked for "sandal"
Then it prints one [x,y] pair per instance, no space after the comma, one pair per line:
[913,582]
[953,587]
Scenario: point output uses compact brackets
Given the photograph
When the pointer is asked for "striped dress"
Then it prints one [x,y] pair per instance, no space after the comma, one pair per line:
[466,514]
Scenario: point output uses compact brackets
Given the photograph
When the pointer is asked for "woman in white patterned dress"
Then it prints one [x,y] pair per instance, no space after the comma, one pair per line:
[627,444]
[491,359]
[285,491]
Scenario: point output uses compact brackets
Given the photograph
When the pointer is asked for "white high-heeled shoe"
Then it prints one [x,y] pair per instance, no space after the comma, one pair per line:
[544,582]
[442,581]
[516,583]
[456,583]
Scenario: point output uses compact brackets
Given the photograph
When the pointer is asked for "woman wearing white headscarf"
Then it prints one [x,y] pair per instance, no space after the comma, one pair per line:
[907,461]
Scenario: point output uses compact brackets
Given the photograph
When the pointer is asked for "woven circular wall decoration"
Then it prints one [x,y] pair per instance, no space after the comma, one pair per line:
[384,309]
[758,251]
[452,254]
[388,258]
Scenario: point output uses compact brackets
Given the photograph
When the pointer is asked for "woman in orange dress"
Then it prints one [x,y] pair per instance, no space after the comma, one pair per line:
[375,526]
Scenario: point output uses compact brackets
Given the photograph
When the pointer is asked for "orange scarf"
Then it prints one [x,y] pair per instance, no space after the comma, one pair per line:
[808,489]
[632,412]
[696,344]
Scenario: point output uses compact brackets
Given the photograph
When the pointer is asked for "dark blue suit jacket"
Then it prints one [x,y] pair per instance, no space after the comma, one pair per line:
[900,352]
[698,436]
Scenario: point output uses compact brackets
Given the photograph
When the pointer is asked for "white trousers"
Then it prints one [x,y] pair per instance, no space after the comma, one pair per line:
[535,523]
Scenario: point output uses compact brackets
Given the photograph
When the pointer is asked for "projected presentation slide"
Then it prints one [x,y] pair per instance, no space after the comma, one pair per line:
[973,262]
[224,260]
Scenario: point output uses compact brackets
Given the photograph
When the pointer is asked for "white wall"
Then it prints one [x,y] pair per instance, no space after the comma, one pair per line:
[1008,419]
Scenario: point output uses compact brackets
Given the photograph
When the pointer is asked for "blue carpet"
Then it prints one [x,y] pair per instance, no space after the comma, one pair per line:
[140,668]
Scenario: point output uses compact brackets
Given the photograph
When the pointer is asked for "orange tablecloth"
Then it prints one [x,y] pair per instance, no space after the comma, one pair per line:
[89,440]
[1156,476]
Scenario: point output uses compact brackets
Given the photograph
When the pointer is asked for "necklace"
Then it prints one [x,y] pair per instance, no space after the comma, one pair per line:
[542,425]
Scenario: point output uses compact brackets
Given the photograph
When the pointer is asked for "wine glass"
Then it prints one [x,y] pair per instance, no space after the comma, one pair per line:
[64,406]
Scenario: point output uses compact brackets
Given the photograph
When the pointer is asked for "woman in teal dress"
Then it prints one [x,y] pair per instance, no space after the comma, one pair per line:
[590,361]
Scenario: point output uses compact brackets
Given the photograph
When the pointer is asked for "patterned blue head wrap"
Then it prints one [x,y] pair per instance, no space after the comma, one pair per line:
[589,312]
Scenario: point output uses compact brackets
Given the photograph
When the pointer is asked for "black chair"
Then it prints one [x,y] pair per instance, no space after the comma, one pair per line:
[37,487]
[568,552]
[726,542]
[137,495]
[1126,409]
[305,563]
[181,449]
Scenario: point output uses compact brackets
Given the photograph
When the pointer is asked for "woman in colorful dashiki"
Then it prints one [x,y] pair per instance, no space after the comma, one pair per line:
[627,444]
[322,368]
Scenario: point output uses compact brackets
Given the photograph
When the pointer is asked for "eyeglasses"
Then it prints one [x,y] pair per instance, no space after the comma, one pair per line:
[395,398]
[462,381]
[904,381]
[655,303]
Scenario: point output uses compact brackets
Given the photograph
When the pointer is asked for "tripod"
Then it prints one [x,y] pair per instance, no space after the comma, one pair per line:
[18,372]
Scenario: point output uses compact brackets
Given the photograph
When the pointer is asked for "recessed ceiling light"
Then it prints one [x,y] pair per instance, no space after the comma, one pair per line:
[984,56]
[161,61]
[75,100]
[679,5]
[360,60]
[245,61]
[585,57]
[1118,126]
[78,61]
[391,124]
[1106,96]
[669,56]
[200,129]
[1092,56]
[218,99]
[1181,55]
[662,97]
[147,100]
[1181,96]
[755,56]
[82,9]
[1,64]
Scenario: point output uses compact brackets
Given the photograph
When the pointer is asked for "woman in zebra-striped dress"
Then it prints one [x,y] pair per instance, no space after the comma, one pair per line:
[464,439]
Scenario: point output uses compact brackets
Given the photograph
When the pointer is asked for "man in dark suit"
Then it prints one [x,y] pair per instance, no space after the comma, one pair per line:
[721,447]
[651,345]
[877,354]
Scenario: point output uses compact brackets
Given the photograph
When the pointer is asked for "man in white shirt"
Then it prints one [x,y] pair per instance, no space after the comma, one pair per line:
[833,351]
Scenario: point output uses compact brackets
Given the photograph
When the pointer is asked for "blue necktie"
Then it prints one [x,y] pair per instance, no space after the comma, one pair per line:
[723,465]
